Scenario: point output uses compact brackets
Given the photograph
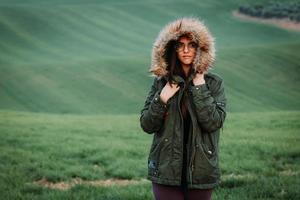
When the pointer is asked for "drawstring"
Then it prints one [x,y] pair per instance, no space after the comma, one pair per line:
[185,192]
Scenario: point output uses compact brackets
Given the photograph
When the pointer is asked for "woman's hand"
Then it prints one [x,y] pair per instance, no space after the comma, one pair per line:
[168,91]
[199,79]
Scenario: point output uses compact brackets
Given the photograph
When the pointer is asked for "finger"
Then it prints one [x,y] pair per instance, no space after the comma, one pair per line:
[168,85]
[175,85]
[175,88]
[172,85]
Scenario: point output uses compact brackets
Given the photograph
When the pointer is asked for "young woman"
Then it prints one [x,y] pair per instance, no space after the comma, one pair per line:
[185,110]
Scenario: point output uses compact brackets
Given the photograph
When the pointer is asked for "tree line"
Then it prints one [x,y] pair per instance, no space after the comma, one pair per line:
[273,9]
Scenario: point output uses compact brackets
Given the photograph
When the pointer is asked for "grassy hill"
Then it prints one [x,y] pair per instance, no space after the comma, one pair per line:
[82,66]
[259,156]
[92,57]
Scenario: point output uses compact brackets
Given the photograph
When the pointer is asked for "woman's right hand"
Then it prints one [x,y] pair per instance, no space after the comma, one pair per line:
[168,91]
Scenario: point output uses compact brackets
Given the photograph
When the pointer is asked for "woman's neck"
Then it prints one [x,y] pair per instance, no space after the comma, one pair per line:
[186,69]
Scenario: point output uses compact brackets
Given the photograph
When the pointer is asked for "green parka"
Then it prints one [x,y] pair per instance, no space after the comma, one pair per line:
[206,105]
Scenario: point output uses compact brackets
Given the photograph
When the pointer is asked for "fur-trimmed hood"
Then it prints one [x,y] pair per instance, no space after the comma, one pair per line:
[205,54]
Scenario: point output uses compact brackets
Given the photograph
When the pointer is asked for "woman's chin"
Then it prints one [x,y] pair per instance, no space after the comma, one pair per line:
[187,63]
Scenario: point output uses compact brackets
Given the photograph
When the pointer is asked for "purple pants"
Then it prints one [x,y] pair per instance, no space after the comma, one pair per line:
[165,192]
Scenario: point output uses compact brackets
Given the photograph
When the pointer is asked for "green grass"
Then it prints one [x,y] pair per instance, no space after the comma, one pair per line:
[259,155]
[83,57]
[73,78]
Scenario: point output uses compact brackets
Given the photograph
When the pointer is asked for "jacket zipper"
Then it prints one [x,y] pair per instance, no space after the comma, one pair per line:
[191,167]
[191,174]
[182,128]
[191,163]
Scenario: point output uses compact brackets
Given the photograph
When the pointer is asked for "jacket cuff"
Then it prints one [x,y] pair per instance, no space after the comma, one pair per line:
[158,105]
[201,90]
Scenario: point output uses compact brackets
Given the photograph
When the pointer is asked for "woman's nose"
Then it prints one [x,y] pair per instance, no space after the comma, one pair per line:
[186,48]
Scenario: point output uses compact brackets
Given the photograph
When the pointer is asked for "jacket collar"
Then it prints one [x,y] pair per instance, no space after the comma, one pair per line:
[179,80]
[205,53]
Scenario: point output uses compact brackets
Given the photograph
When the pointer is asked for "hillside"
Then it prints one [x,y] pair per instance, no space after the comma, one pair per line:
[257,160]
[92,57]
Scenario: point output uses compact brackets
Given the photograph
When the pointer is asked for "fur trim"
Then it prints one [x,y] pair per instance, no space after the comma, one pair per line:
[205,54]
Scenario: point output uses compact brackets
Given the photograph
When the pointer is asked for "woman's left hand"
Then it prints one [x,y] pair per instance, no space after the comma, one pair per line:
[199,79]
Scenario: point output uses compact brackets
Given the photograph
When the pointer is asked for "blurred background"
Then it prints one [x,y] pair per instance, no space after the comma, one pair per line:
[74,77]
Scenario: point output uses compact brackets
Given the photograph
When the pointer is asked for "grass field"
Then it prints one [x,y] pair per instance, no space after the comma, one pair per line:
[259,155]
[82,57]
[73,78]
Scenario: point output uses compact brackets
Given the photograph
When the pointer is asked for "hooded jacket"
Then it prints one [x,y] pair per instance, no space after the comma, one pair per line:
[206,105]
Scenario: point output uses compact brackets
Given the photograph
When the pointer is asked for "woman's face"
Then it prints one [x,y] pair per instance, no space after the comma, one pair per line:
[186,50]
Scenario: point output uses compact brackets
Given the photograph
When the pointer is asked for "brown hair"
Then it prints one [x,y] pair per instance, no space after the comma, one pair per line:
[173,63]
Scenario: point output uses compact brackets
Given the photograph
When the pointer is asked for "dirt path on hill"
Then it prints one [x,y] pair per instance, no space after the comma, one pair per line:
[106,183]
[282,23]
[65,185]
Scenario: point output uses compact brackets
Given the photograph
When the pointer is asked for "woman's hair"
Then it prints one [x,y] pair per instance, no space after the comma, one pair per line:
[173,63]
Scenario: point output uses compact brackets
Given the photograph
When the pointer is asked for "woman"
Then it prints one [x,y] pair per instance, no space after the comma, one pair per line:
[185,110]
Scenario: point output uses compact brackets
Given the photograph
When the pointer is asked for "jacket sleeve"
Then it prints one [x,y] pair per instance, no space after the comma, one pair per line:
[210,106]
[152,115]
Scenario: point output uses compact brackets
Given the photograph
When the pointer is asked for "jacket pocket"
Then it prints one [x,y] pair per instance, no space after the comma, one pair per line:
[159,156]
[153,158]
[210,154]
[205,167]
